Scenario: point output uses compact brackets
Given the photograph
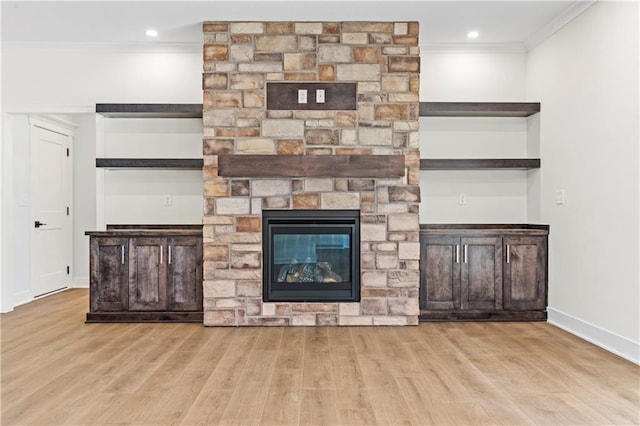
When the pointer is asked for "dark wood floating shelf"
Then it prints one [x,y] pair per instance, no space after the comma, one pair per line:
[311,165]
[427,109]
[478,109]
[150,110]
[156,163]
[479,164]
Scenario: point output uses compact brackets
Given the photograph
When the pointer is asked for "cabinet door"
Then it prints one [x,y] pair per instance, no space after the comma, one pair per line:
[109,274]
[440,273]
[481,273]
[147,274]
[525,273]
[184,286]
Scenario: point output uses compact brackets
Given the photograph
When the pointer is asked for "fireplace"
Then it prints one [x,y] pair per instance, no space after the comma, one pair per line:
[311,255]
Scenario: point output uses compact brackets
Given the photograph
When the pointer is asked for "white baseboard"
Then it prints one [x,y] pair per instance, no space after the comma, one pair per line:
[22,298]
[79,282]
[25,297]
[621,346]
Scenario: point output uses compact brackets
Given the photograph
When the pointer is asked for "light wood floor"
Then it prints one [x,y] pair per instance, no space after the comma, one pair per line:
[58,370]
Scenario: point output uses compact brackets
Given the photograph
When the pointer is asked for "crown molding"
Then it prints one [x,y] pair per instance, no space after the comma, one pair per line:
[572,11]
[110,47]
[472,48]
[44,109]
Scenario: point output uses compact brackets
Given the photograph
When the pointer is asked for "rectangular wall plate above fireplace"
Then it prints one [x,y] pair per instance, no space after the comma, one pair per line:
[311,255]
[311,96]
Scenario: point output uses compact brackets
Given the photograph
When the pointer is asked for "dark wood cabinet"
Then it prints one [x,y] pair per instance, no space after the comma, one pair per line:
[440,273]
[165,274]
[146,275]
[110,266]
[184,273]
[461,273]
[525,273]
[483,273]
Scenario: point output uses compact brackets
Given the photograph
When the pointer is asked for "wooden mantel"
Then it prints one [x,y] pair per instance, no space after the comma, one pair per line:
[311,165]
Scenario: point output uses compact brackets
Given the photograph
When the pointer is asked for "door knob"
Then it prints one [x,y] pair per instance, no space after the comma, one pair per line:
[39,224]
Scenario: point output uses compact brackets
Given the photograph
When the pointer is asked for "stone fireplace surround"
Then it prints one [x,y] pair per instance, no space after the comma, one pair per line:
[240,58]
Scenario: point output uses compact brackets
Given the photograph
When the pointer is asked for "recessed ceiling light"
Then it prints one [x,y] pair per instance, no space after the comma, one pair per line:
[473,34]
[151,33]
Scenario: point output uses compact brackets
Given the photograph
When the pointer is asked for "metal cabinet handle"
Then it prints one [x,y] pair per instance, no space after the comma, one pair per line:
[161,250]
[457,253]
[169,255]
[122,254]
[508,253]
[464,253]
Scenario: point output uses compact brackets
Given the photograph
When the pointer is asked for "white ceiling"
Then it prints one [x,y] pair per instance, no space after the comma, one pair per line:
[515,25]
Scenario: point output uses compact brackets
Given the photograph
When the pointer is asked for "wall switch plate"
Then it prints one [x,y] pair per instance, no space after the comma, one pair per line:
[559,196]
[289,96]
[302,96]
[167,200]
[462,199]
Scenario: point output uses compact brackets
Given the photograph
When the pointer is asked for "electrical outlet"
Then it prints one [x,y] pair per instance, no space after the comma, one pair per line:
[559,196]
[167,200]
[462,199]
[302,96]
[319,96]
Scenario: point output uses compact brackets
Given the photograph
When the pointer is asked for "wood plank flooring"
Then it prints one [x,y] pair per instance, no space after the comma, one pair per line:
[57,370]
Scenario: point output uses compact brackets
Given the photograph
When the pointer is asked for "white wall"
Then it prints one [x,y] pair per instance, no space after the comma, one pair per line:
[586,77]
[137,196]
[19,234]
[491,196]
[84,194]
[2,193]
[79,77]
[71,80]
[472,77]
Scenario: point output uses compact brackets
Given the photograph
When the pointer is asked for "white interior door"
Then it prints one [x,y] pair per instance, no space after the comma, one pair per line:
[51,195]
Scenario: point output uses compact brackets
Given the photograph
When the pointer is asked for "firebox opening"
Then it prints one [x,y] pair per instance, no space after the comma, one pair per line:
[311,255]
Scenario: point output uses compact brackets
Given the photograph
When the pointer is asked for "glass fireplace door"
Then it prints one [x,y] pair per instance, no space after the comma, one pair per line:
[310,256]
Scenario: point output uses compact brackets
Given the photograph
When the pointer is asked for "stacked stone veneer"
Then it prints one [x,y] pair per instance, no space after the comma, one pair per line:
[239,59]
